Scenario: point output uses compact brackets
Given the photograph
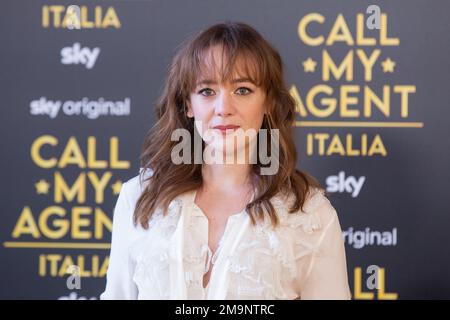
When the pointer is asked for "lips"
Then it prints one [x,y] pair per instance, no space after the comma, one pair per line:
[224,129]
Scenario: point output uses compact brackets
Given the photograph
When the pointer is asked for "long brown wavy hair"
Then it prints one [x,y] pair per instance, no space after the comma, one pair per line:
[264,66]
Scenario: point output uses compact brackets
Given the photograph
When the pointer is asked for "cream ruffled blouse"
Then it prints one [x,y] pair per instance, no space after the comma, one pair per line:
[303,258]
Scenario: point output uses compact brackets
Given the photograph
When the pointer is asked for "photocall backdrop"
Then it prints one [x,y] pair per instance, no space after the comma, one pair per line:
[373,125]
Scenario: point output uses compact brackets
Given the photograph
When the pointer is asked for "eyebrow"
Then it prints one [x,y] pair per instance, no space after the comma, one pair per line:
[238,80]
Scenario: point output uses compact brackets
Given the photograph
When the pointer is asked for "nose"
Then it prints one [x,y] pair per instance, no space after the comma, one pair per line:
[224,104]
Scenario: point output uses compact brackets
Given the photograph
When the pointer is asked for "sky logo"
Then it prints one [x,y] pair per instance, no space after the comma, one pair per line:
[340,183]
[78,55]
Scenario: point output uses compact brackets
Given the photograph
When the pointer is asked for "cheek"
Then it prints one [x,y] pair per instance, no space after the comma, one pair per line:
[253,115]
[200,110]
[202,115]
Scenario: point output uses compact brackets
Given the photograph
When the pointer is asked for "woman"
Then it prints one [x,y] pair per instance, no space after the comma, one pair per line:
[188,229]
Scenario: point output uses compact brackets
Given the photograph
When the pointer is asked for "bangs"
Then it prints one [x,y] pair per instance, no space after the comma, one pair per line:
[223,63]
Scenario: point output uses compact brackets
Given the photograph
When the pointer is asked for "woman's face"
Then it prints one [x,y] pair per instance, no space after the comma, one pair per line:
[238,102]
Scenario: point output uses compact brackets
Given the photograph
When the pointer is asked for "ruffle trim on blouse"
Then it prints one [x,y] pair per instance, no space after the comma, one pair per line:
[279,250]
[152,256]
[307,219]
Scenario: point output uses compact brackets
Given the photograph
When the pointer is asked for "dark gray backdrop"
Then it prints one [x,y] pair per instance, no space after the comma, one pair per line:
[406,190]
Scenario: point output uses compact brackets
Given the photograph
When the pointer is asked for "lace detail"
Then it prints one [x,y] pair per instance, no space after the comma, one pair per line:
[152,253]
[306,218]
[279,250]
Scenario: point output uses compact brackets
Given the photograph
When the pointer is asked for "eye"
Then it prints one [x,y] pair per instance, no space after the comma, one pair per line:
[208,90]
[244,91]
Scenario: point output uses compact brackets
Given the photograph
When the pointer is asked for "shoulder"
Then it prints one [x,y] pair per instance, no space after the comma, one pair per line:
[126,202]
[134,186]
[316,214]
[319,205]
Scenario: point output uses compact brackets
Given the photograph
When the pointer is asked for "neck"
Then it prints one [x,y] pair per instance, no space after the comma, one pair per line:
[226,177]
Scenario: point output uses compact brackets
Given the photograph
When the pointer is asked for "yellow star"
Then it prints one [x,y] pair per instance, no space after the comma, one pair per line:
[309,65]
[388,65]
[116,187]
[42,187]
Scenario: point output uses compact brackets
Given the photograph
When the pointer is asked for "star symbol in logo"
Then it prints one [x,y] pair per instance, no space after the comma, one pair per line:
[309,65]
[388,65]
[42,187]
